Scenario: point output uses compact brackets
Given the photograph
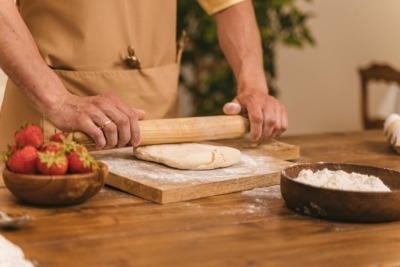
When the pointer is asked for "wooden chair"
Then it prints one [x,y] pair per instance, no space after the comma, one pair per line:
[375,72]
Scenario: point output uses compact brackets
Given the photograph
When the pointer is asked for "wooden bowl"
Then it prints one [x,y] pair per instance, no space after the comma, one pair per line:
[55,190]
[342,205]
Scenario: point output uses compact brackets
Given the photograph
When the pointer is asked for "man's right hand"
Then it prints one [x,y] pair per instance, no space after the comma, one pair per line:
[105,118]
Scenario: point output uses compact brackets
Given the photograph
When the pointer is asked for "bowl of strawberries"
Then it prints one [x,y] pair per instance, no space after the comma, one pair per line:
[56,172]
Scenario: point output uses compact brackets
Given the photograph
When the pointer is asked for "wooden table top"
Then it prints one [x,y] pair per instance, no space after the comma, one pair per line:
[252,228]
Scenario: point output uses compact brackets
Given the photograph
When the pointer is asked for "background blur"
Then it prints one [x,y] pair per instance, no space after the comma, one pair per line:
[320,84]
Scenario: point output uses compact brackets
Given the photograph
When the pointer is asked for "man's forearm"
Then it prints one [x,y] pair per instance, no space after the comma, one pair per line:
[22,62]
[240,41]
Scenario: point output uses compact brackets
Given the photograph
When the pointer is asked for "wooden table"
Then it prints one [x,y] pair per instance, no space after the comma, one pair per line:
[252,228]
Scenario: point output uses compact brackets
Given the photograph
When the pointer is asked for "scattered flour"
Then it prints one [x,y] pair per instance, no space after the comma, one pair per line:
[264,192]
[342,180]
[11,255]
[121,162]
[244,209]
[257,201]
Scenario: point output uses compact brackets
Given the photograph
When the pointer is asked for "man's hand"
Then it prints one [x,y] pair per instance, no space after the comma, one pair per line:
[268,118]
[239,38]
[105,118]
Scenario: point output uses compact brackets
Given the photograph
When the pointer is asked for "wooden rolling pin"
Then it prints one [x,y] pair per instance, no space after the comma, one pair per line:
[181,130]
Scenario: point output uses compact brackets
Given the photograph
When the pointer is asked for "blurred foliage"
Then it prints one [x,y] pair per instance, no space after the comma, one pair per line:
[205,72]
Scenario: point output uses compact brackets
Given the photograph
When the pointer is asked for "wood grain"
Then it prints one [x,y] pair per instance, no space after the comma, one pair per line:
[181,130]
[252,228]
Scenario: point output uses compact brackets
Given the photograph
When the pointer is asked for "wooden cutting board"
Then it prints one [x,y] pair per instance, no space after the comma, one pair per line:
[260,166]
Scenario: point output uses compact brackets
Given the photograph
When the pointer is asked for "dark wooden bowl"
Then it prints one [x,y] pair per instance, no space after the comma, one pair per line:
[343,205]
[55,190]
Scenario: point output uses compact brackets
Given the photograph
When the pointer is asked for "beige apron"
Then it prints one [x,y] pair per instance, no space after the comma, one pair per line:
[86,43]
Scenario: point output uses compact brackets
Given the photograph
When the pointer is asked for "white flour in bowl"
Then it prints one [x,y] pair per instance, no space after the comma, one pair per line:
[342,180]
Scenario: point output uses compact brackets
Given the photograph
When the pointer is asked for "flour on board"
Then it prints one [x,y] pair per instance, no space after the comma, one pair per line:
[126,167]
[342,180]
[121,162]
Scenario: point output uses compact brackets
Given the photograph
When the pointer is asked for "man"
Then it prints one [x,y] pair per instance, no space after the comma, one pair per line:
[99,66]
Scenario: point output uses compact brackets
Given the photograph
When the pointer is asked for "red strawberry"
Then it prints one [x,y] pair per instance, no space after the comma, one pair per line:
[23,160]
[52,146]
[80,161]
[10,150]
[52,163]
[59,137]
[29,135]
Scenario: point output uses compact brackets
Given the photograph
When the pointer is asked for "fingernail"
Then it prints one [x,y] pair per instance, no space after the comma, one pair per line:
[233,105]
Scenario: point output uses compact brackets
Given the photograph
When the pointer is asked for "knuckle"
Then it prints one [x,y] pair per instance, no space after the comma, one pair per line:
[252,98]
[92,108]
[271,122]
[257,119]
[122,121]
[132,115]
[82,120]
[96,101]
[110,128]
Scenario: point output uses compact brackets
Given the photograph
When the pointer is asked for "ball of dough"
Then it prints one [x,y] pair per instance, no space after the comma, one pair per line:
[189,156]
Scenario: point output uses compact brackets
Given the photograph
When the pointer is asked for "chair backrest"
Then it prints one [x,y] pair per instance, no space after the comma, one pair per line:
[374,72]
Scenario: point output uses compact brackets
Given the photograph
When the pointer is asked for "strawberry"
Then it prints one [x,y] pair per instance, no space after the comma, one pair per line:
[10,150]
[52,163]
[59,137]
[52,146]
[23,160]
[29,135]
[80,161]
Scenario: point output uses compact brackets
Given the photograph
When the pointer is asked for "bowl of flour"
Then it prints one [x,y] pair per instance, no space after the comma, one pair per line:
[342,191]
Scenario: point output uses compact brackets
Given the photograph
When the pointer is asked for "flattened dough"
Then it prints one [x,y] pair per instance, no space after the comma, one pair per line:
[189,156]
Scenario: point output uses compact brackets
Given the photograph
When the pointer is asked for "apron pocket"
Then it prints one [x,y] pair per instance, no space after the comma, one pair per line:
[155,90]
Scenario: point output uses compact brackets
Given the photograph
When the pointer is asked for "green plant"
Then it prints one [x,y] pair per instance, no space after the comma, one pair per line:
[205,72]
